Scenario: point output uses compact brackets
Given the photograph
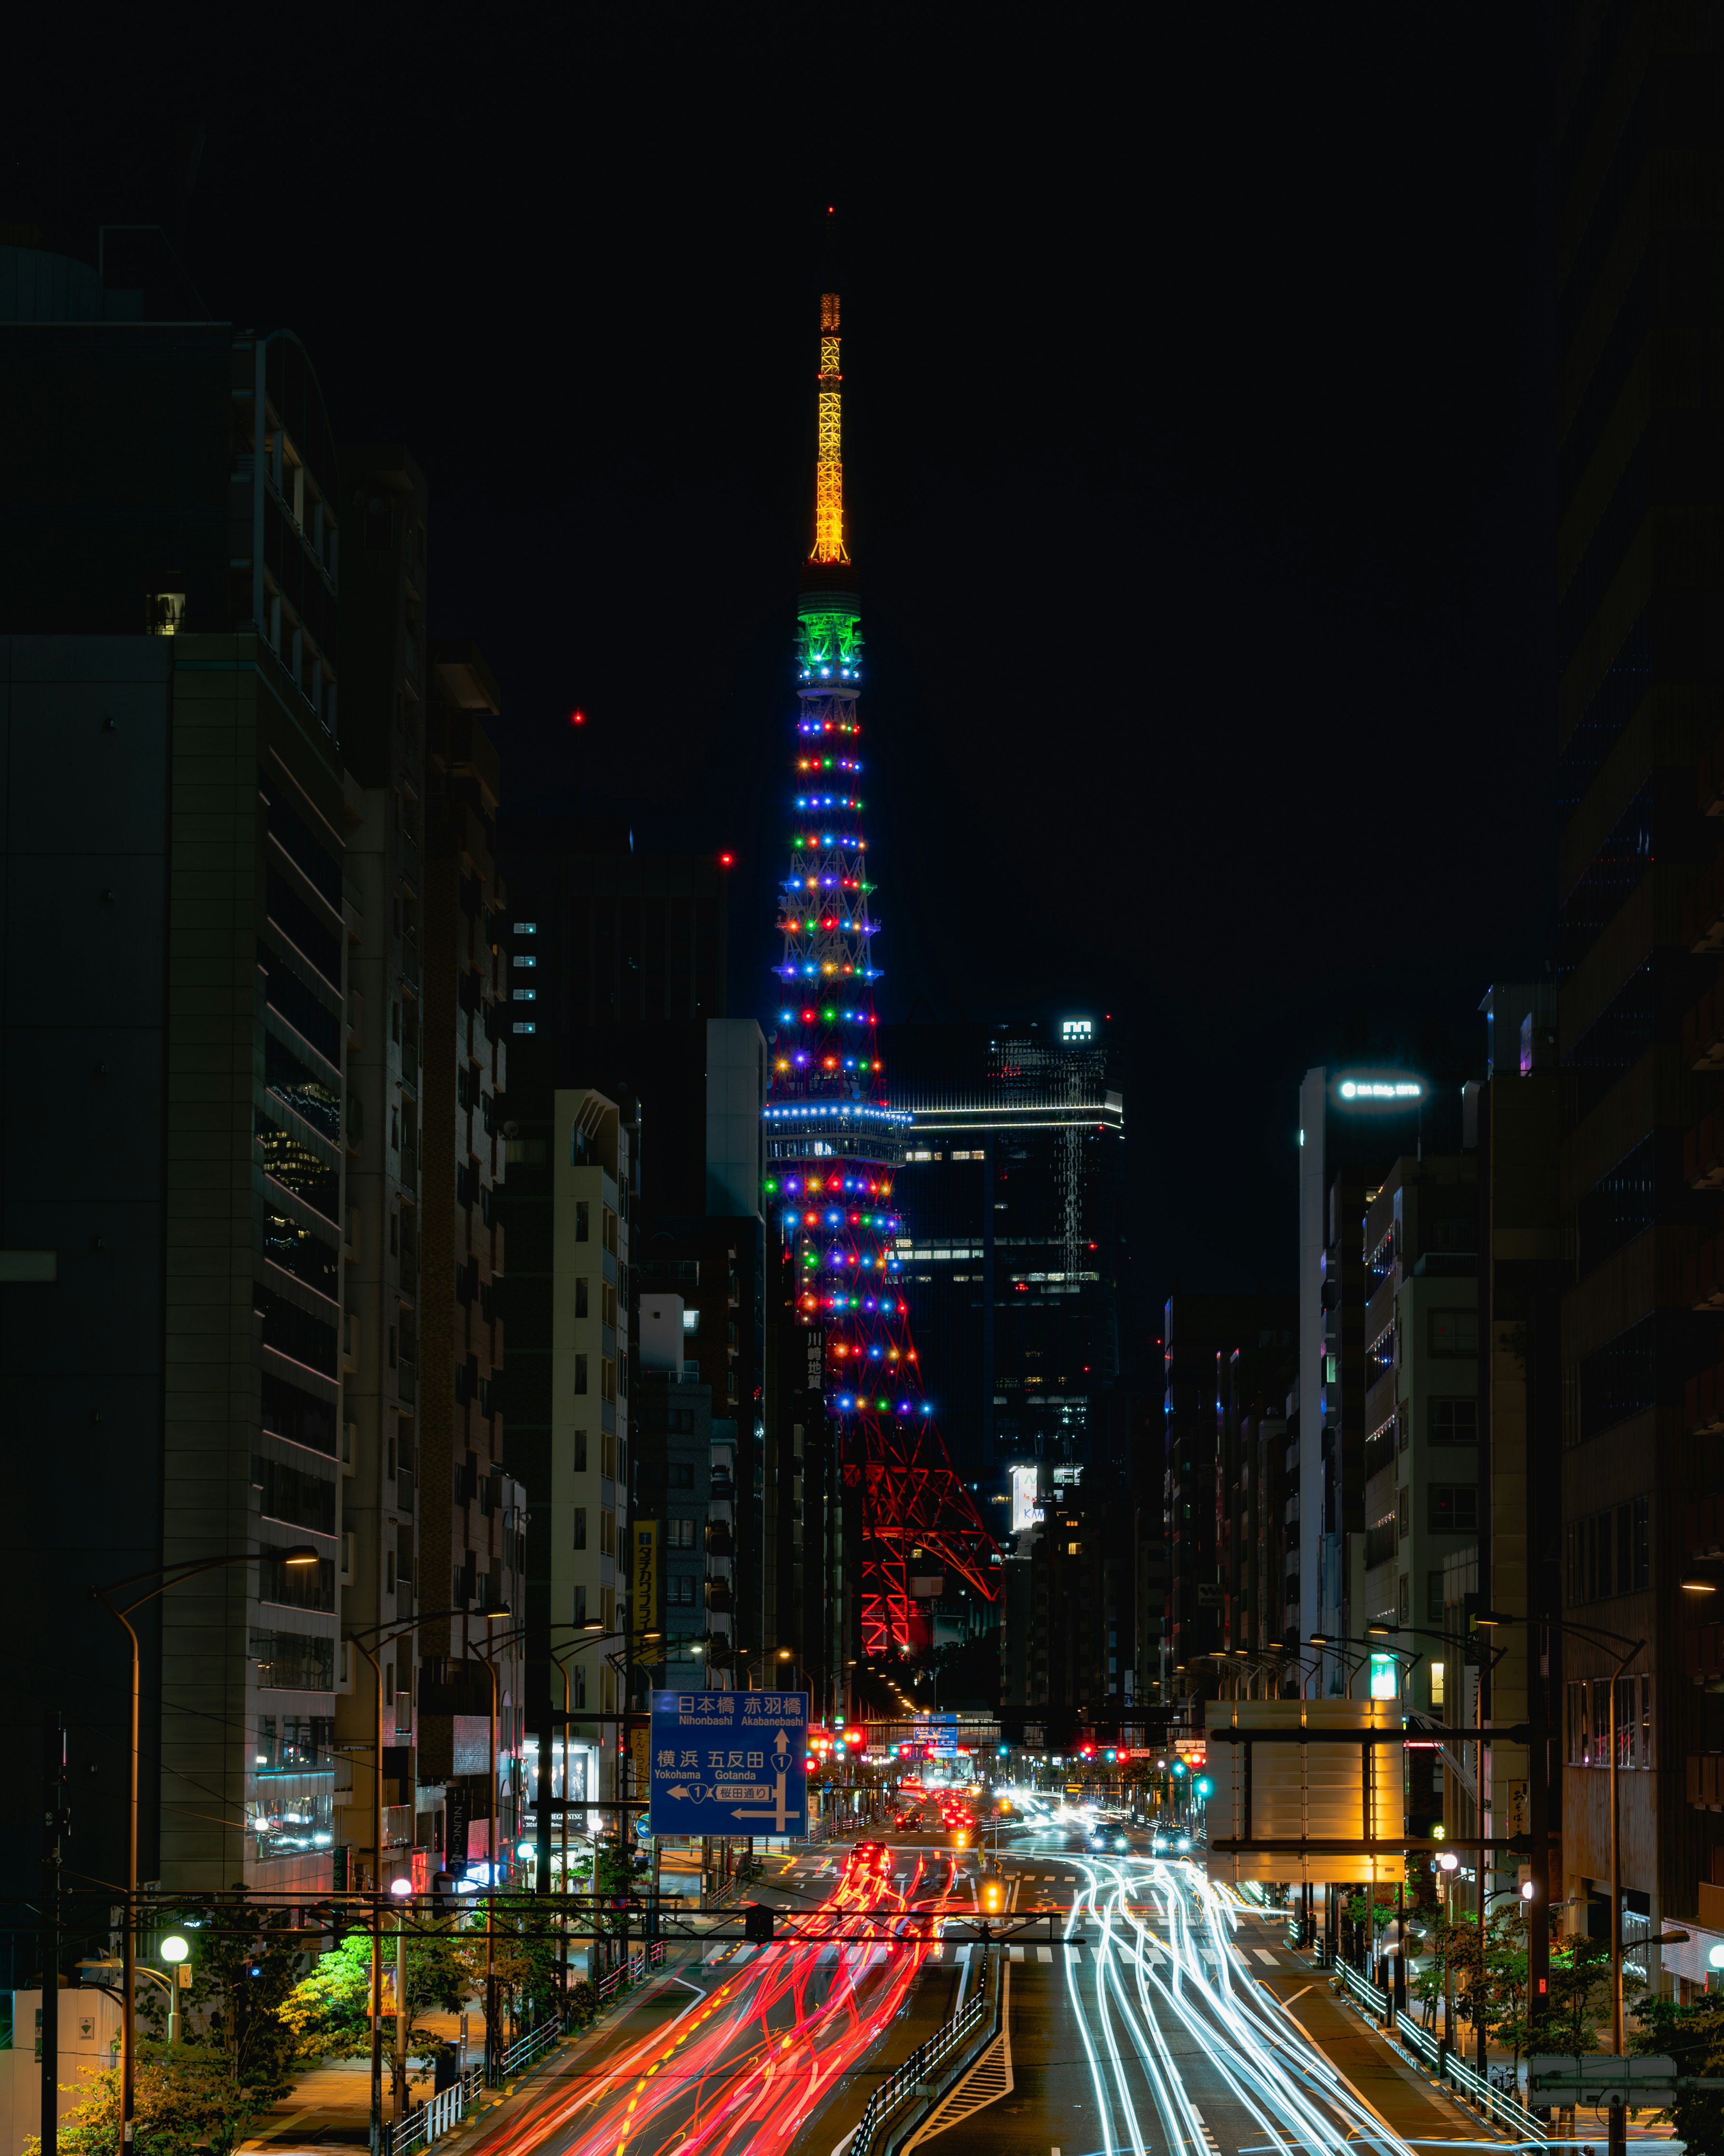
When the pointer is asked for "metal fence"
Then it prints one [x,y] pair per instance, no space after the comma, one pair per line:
[1439,2059]
[924,2061]
[434,2118]
[1450,2066]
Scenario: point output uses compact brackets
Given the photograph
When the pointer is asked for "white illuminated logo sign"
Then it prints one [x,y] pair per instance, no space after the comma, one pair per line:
[1077,1028]
[1381,1089]
[1025,1511]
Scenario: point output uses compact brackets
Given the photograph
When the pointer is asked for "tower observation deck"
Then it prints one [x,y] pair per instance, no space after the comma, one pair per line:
[832,1138]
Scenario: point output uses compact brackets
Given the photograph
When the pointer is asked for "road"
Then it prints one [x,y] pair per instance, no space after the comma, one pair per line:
[1158,2028]
[769,2033]
[1167,2019]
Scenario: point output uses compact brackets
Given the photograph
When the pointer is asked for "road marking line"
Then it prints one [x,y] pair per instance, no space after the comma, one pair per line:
[1266,1957]
[1045,1953]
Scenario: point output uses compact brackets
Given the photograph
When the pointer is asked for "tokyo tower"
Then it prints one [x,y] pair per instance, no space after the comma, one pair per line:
[833,1140]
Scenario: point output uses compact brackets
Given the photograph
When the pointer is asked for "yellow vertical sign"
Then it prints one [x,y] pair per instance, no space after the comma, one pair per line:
[644,1581]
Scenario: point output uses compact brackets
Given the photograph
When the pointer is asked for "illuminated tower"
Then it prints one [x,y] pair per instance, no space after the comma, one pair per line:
[833,1139]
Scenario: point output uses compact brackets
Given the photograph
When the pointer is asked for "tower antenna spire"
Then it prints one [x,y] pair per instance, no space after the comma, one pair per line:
[833,1139]
[828,548]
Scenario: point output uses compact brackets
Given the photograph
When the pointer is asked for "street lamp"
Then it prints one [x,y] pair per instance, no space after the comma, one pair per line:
[165,1576]
[1593,1635]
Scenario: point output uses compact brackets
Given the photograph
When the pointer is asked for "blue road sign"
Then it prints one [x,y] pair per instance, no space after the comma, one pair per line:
[729,1762]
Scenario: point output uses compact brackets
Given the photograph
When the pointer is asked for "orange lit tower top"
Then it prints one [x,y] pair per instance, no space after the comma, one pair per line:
[833,1139]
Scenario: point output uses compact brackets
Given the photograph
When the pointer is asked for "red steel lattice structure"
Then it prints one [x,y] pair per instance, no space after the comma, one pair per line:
[833,1139]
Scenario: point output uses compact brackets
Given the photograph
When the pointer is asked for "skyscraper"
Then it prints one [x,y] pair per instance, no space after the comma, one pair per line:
[833,1144]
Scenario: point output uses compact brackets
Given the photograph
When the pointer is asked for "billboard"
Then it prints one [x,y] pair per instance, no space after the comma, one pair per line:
[1025,1511]
[643,1579]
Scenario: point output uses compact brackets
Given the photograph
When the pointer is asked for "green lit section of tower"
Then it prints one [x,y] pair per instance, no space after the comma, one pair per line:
[833,1139]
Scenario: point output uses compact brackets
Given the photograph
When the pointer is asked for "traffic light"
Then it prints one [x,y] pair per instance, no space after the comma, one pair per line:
[1203,1786]
[993,1897]
[1179,1766]
[1111,1755]
[757,1922]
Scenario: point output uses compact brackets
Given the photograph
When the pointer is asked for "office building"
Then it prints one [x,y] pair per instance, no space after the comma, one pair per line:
[1352,1124]
[1210,1405]
[1014,1207]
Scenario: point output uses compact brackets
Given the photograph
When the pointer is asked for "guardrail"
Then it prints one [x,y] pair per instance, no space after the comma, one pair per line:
[438,2114]
[630,1972]
[1439,2059]
[434,2118]
[925,2062]
[1450,2066]
[525,2049]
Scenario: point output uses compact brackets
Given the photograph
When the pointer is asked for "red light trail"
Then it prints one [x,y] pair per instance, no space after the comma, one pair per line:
[749,2066]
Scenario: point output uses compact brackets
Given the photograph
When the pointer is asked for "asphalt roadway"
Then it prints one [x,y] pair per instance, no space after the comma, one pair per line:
[1154,2013]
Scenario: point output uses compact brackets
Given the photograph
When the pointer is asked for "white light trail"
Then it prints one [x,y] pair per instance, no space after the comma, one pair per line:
[1295,2099]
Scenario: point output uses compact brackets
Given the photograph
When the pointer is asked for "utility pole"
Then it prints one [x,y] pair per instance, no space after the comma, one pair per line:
[54,1813]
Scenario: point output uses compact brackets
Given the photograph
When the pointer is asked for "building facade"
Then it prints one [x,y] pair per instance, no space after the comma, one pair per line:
[1639,411]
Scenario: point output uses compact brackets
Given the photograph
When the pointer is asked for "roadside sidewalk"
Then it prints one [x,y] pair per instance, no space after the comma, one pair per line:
[1402,2096]
[330,2107]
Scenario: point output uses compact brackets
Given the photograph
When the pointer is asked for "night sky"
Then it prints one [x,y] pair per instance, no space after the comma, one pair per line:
[1197,414]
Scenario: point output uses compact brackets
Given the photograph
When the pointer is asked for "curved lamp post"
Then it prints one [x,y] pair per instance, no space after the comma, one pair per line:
[165,1576]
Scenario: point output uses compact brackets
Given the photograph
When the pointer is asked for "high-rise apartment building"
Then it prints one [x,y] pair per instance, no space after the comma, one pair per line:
[1422,1425]
[1640,402]
[174,1223]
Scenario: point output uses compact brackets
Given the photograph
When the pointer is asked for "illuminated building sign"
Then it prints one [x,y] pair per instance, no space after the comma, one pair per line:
[1077,1028]
[1380,1091]
[1025,1511]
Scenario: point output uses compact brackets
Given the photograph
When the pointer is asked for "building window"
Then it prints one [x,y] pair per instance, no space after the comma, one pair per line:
[1589,1722]
[1454,1422]
[580,1452]
[581,1298]
[525,995]
[525,927]
[583,1221]
[1609,1553]
[580,1538]
[1438,1682]
[580,1619]
[681,1593]
[607,1533]
[1404,1607]
[607,1377]
[1455,1508]
[580,1373]
[1455,1332]
[524,958]
[681,1475]
[525,1025]
[1434,1597]
[681,1535]
[1406,1515]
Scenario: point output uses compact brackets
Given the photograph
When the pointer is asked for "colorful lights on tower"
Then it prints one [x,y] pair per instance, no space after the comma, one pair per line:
[833,1139]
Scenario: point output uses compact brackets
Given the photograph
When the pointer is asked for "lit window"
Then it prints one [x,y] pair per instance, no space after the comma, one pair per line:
[525,1026]
[527,927]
